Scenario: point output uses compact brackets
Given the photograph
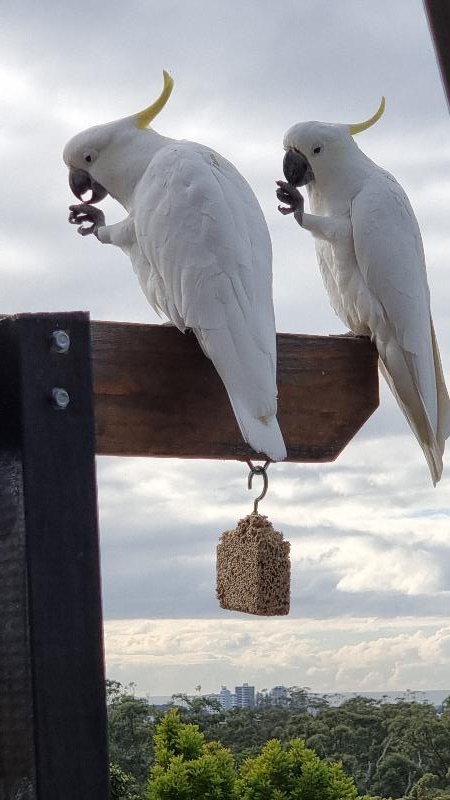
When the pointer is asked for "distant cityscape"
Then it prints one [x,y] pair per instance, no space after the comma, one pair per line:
[246,696]
[243,697]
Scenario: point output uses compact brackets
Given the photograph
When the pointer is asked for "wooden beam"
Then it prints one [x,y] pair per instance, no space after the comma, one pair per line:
[53,741]
[156,394]
[438,14]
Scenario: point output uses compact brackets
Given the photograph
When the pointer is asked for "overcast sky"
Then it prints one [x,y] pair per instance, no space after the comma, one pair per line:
[370,536]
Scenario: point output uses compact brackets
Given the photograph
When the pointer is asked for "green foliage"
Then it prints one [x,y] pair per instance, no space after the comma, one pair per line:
[426,784]
[386,748]
[374,797]
[189,768]
[131,725]
[121,785]
[292,773]
[186,766]
[395,775]
[197,705]
[429,787]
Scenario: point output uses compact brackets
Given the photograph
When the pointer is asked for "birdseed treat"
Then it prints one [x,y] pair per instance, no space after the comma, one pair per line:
[253,568]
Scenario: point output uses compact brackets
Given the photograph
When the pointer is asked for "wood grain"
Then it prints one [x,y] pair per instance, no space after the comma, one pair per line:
[156,394]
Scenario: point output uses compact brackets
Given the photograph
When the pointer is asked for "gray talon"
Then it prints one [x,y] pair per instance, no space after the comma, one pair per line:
[84,212]
[289,195]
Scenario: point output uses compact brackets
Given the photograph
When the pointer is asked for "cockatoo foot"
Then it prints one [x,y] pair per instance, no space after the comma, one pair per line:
[351,334]
[291,196]
[84,212]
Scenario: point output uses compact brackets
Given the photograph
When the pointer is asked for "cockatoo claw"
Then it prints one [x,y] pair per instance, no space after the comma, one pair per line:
[291,196]
[84,212]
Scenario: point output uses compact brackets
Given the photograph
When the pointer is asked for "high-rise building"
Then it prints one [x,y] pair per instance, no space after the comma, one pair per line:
[227,699]
[245,696]
[278,694]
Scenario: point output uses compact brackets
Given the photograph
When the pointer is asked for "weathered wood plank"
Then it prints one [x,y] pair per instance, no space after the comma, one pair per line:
[51,631]
[438,13]
[156,394]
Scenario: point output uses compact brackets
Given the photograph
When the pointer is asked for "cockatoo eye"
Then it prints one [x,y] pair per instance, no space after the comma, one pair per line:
[90,156]
[316,149]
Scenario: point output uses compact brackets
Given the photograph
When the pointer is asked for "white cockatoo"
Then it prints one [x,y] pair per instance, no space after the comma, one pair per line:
[200,246]
[371,257]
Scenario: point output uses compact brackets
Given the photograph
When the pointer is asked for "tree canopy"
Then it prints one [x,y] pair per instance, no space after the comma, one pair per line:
[372,749]
[186,766]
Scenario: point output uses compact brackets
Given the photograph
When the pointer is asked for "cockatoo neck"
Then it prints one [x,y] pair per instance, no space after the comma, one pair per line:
[130,153]
[335,186]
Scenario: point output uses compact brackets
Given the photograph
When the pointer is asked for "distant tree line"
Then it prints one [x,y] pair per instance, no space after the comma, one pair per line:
[361,749]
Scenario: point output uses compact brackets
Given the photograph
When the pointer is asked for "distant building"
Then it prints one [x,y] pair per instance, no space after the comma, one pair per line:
[245,696]
[278,694]
[227,699]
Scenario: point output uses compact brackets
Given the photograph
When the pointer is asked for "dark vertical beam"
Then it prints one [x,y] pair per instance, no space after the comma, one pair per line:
[17,762]
[52,697]
[438,14]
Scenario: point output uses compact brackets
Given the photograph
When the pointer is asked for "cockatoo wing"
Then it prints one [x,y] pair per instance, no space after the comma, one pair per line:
[205,260]
[390,256]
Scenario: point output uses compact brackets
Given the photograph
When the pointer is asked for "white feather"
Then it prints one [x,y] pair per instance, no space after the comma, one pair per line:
[390,256]
[204,259]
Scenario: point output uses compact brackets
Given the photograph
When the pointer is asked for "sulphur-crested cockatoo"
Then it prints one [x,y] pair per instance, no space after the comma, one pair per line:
[200,246]
[372,262]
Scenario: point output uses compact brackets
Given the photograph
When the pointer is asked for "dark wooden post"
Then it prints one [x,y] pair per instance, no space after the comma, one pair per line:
[52,695]
[438,14]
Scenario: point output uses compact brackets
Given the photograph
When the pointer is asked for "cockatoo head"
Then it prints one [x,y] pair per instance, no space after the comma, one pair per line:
[314,148]
[93,154]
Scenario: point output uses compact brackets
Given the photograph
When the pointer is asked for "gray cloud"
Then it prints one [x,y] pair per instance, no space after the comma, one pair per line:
[159,555]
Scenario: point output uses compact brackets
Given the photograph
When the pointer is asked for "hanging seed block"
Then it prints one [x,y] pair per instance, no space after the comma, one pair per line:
[253,568]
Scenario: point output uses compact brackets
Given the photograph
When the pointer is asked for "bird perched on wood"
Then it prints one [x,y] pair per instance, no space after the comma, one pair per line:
[371,257]
[200,246]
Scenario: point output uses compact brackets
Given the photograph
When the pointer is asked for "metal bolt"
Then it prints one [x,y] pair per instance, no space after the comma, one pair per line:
[60,341]
[60,398]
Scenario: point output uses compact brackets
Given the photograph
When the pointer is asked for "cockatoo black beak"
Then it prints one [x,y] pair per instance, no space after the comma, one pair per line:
[297,169]
[81,182]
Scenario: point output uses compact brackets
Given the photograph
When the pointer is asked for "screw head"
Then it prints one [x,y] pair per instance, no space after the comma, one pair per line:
[60,398]
[60,341]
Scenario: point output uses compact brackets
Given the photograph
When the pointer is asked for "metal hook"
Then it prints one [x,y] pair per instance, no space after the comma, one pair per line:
[258,471]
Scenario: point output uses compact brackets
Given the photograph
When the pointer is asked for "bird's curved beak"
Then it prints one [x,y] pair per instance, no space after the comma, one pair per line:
[297,169]
[81,182]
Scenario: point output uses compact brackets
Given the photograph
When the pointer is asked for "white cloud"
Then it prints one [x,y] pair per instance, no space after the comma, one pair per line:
[369,565]
[379,657]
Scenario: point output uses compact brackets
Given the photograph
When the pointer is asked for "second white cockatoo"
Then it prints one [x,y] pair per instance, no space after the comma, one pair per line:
[371,257]
[200,246]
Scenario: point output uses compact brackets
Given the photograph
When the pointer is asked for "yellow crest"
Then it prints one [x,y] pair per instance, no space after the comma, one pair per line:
[144,118]
[362,126]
